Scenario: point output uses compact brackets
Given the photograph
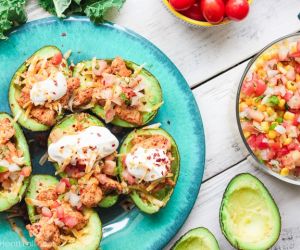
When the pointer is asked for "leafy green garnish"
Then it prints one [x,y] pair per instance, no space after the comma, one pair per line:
[94,9]
[273,125]
[257,99]
[279,120]
[273,100]
[125,99]
[12,14]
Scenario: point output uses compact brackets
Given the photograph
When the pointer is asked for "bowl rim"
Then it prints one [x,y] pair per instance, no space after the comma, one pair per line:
[260,165]
[193,21]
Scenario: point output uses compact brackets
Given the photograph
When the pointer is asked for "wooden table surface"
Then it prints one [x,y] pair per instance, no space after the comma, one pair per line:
[212,60]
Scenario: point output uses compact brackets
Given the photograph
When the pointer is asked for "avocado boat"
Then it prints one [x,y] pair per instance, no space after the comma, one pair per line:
[15,164]
[55,223]
[149,165]
[197,238]
[75,124]
[124,93]
[37,89]
[249,216]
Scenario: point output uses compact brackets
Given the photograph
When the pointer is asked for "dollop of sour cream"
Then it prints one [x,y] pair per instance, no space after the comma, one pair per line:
[148,164]
[49,89]
[88,146]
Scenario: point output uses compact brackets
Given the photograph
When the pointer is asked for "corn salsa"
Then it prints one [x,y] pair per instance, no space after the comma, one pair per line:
[269,107]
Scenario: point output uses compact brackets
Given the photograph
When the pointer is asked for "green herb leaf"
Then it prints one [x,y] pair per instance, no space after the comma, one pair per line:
[273,125]
[273,100]
[257,99]
[279,120]
[48,5]
[98,9]
[125,99]
[12,14]
[61,6]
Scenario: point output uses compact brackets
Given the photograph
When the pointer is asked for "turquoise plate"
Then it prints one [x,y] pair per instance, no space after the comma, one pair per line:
[179,116]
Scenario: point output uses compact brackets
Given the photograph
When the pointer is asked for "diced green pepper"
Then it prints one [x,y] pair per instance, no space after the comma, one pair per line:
[273,125]
[274,100]
[279,120]
[3,169]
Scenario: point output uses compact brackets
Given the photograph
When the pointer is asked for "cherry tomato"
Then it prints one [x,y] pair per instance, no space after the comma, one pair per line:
[213,10]
[194,12]
[181,5]
[237,9]
[260,142]
[260,87]
[248,88]
[56,59]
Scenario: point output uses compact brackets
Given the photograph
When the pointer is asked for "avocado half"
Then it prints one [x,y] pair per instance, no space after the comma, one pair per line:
[15,91]
[249,216]
[7,200]
[165,194]
[86,120]
[153,93]
[197,239]
[91,239]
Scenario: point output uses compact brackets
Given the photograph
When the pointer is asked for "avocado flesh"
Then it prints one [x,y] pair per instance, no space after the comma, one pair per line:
[166,193]
[197,239]
[249,217]
[7,200]
[153,94]
[89,120]
[90,240]
[14,92]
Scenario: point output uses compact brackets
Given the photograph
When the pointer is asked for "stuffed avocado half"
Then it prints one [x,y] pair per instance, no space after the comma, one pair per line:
[55,222]
[249,216]
[40,89]
[83,152]
[15,164]
[197,239]
[149,166]
[118,91]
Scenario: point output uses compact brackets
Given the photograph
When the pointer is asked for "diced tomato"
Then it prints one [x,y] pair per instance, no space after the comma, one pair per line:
[296,122]
[288,96]
[248,88]
[293,146]
[56,59]
[46,212]
[26,171]
[275,146]
[252,141]
[60,212]
[66,181]
[282,152]
[298,46]
[296,54]
[260,87]
[297,68]
[260,144]
[70,221]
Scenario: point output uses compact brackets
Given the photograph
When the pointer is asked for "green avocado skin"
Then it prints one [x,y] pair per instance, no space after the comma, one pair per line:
[241,182]
[91,240]
[197,239]
[16,110]
[9,200]
[125,148]
[153,92]
[89,120]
